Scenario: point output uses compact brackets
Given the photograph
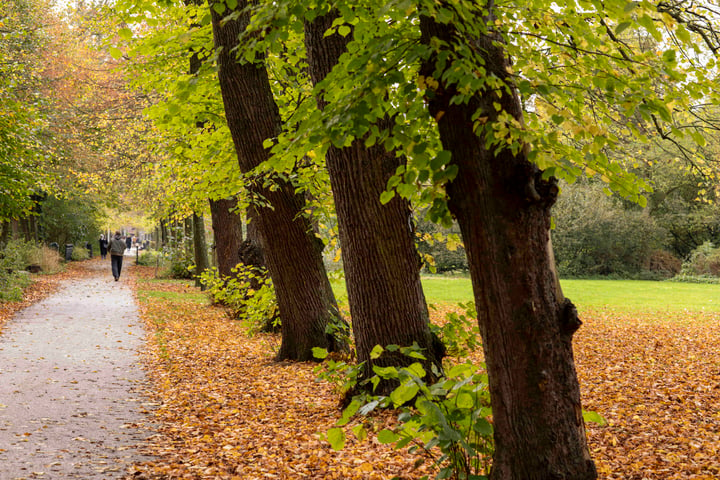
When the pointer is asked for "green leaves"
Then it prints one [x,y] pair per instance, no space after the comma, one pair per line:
[336,438]
[594,417]
[450,416]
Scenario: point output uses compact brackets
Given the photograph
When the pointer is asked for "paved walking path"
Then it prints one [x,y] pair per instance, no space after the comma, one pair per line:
[70,381]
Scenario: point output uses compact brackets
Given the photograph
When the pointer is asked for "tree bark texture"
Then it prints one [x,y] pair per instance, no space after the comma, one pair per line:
[200,248]
[292,253]
[503,208]
[227,231]
[382,267]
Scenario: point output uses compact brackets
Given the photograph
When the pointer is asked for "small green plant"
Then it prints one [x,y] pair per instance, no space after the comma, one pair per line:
[249,294]
[446,423]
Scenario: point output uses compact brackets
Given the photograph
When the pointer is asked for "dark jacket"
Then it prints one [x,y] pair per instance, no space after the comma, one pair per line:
[117,246]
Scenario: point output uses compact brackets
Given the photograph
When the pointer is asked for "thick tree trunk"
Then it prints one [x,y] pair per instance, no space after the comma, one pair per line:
[293,255]
[503,208]
[227,231]
[200,248]
[382,267]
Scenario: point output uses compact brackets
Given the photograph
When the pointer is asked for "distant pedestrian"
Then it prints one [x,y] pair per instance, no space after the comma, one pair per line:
[103,246]
[117,251]
[128,242]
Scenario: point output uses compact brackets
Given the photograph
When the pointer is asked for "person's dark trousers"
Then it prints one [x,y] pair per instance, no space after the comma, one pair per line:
[116,261]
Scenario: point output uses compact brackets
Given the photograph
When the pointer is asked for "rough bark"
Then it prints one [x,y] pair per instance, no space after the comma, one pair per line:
[382,267]
[227,231]
[503,208]
[292,254]
[199,248]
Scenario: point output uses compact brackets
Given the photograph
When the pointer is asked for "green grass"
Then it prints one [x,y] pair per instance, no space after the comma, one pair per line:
[146,291]
[639,295]
[623,295]
[174,296]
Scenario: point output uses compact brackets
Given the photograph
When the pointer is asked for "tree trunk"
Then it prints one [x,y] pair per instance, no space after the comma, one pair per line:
[5,238]
[200,248]
[188,237]
[503,208]
[293,255]
[227,231]
[163,234]
[382,267]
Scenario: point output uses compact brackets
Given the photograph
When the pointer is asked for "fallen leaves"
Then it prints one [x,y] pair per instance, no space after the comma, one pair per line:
[227,411]
[656,380]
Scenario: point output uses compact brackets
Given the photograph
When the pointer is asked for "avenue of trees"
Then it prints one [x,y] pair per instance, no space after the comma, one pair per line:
[299,124]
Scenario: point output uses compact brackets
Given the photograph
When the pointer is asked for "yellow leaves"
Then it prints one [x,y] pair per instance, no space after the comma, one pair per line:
[430,83]
[229,411]
[648,375]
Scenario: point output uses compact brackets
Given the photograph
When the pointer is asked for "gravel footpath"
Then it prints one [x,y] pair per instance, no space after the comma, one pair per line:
[70,383]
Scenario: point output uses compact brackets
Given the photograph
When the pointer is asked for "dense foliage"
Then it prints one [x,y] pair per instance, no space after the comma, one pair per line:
[76,220]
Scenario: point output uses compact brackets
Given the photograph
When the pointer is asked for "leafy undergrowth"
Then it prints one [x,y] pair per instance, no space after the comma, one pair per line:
[227,411]
[41,287]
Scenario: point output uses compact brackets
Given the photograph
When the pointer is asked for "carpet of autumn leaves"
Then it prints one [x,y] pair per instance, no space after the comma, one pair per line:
[228,411]
[655,377]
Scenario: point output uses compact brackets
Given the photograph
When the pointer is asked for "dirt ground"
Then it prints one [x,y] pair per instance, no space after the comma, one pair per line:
[71,403]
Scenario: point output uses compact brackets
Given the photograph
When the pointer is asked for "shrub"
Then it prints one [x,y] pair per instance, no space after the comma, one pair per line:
[447,422]
[595,235]
[179,268]
[13,262]
[664,264]
[149,258]
[703,261]
[46,258]
[695,279]
[249,294]
[79,253]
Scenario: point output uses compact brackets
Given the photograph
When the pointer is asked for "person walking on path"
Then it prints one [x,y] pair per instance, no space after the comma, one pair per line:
[117,251]
[103,246]
[128,242]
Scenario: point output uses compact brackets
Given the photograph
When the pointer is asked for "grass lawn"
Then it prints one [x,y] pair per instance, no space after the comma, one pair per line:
[621,295]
